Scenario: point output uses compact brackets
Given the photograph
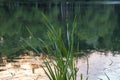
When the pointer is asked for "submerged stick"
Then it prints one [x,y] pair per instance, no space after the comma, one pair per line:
[87,65]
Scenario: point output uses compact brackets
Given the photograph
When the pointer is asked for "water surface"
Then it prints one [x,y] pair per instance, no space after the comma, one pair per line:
[99,64]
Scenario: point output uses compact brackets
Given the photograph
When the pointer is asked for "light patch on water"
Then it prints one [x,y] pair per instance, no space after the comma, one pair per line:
[99,64]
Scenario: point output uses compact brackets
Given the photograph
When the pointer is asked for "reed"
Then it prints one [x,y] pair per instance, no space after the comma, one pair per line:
[64,67]
[63,64]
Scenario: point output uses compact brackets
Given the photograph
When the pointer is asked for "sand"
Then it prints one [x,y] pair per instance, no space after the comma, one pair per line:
[22,70]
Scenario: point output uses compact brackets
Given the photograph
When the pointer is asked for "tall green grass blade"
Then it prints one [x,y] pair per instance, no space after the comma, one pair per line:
[28,42]
[100,79]
[68,37]
[29,31]
[49,68]
[31,46]
[47,74]
[51,28]
[107,76]
[72,34]
[81,77]
[65,69]
[87,78]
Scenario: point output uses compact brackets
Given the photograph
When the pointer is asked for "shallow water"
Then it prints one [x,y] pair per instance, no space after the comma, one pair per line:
[99,65]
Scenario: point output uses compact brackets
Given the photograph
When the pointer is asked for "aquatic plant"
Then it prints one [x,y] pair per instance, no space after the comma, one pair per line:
[63,65]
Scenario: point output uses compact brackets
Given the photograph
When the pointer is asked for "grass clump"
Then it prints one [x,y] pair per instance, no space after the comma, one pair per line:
[63,65]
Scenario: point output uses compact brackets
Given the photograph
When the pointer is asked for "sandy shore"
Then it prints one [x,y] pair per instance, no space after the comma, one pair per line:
[23,71]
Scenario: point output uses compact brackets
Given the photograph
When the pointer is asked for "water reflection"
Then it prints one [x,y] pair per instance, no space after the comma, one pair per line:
[100,64]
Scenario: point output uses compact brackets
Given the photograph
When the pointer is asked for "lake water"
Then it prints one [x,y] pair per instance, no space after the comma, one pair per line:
[100,65]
